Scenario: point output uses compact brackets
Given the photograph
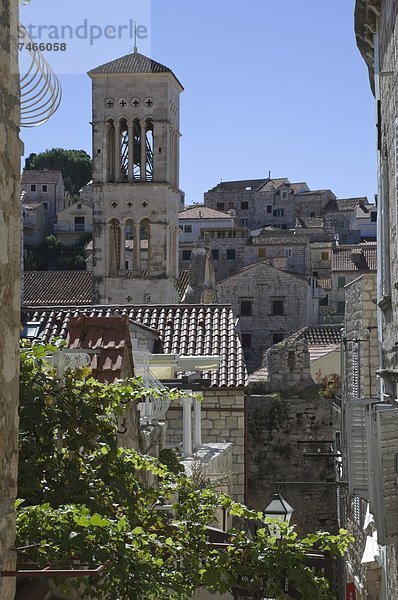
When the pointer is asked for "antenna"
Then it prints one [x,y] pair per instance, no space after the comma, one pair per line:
[135,38]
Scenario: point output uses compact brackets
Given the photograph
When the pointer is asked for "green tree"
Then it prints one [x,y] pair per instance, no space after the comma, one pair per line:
[75,166]
[86,502]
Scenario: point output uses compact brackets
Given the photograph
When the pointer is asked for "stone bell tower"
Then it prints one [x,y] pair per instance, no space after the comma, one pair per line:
[136,136]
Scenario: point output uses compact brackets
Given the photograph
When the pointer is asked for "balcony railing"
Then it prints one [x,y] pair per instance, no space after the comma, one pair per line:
[152,408]
[66,227]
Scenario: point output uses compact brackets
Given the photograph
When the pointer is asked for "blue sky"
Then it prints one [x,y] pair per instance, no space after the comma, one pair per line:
[270,85]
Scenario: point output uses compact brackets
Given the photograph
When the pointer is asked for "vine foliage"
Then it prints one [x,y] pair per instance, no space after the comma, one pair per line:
[85,502]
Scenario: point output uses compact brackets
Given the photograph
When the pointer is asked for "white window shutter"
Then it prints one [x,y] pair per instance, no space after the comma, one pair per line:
[384,426]
[357,451]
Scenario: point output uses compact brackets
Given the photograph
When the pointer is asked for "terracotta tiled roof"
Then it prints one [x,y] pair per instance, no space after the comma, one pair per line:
[351,203]
[321,335]
[309,222]
[226,186]
[131,63]
[273,237]
[110,338]
[325,283]
[355,258]
[201,212]
[43,176]
[51,288]
[193,330]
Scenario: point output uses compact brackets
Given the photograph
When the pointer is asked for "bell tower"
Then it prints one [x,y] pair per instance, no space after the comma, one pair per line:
[136,137]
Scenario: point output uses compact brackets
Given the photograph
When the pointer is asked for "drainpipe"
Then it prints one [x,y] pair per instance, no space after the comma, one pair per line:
[187,427]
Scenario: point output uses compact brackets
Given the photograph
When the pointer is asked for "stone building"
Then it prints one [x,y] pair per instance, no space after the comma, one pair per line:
[73,222]
[348,263]
[271,304]
[47,188]
[177,339]
[376,26]
[270,244]
[291,443]
[259,202]
[10,236]
[136,195]
[360,389]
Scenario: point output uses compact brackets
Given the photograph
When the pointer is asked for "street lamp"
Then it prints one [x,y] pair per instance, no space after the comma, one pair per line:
[279,509]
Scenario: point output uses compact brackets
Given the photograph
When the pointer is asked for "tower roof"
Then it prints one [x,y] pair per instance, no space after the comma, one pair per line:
[131,63]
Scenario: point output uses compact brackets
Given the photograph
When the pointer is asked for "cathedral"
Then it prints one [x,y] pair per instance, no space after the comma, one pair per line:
[136,194]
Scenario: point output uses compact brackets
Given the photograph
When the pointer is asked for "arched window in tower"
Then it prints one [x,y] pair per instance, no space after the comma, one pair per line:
[136,150]
[130,251]
[110,156]
[145,234]
[124,150]
[115,246]
[149,150]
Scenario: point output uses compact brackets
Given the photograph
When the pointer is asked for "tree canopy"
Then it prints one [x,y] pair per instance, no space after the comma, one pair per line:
[75,166]
[86,501]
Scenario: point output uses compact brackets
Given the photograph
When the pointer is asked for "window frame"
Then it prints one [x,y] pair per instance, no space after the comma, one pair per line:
[248,304]
[274,303]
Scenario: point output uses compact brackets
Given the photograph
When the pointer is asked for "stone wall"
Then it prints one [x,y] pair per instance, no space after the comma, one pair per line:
[261,285]
[223,420]
[288,451]
[10,151]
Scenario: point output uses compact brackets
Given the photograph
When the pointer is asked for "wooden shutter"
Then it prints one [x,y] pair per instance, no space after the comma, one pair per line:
[357,449]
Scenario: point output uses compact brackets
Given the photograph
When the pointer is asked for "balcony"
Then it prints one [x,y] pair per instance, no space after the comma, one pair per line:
[66,227]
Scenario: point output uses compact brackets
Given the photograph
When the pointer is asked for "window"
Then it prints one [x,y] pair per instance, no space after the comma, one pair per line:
[324,255]
[44,188]
[45,204]
[78,205]
[340,308]
[216,254]
[33,188]
[231,254]
[244,205]
[315,273]
[246,340]
[269,209]
[324,301]
[284,195]
[277,337]
[244,222]
[312,214]
[373,217]
[261,253]
[187,228]
[288,252]
[186,254]
[340,282]
[231,204]
[277,307]
[79,223]
[279,212]
[220,206]
[246,308]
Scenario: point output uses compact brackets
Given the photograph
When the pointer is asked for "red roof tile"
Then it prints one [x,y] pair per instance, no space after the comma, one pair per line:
[355,258]
[110,337]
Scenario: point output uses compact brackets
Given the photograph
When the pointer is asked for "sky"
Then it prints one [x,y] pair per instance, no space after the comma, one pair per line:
[270,85]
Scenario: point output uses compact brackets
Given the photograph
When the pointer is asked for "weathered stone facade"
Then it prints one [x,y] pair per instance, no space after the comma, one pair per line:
[136,195]
[223,420]
[285,434]
[10,151]
[272,304]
